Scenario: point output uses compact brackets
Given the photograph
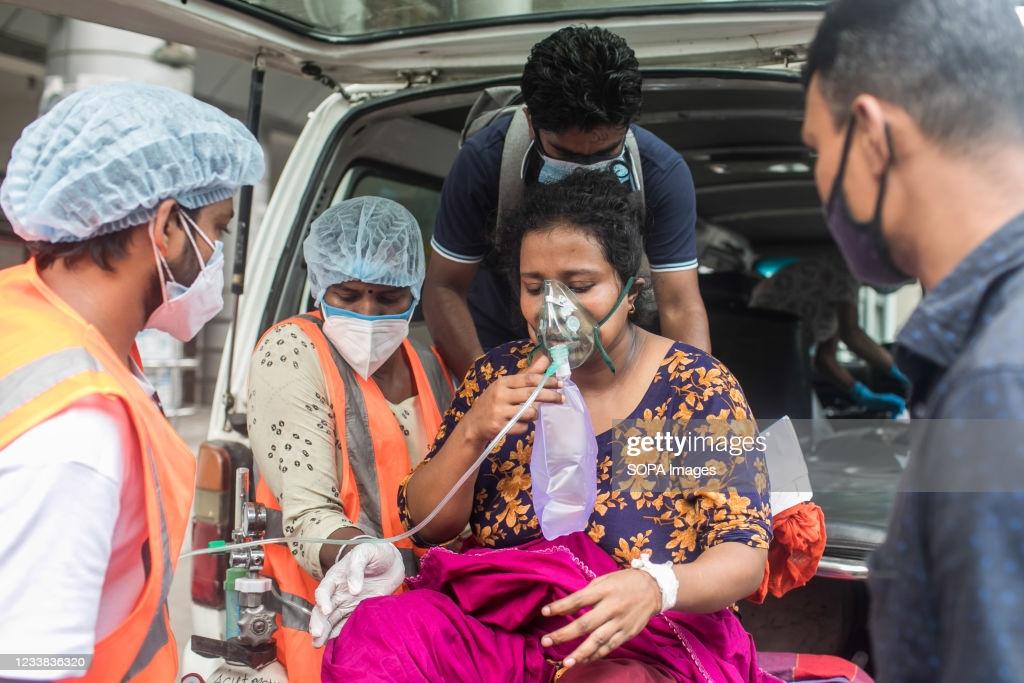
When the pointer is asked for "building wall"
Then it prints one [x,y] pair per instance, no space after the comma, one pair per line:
[33,45]
[20,93]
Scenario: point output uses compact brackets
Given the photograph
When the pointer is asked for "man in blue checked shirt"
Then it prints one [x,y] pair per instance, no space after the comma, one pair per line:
[916,112]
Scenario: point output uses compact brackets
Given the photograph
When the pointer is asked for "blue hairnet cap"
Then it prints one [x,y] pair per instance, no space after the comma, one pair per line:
[369,239]
[102,160]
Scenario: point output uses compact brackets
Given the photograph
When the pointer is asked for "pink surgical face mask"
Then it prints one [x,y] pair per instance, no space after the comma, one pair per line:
[185,310]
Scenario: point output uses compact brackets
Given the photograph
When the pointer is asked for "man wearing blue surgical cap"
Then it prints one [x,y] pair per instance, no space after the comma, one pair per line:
[122,193]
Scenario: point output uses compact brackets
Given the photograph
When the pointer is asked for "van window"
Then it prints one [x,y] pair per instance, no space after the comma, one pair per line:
[330,18]
[420,194]
[882,315]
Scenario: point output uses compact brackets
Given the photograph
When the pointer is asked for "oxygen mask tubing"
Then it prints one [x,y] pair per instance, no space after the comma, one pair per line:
[563,322]
[426,520]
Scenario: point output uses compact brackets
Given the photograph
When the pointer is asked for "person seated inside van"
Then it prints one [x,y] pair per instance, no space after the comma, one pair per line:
[654,572]
[822,292]
[341,405]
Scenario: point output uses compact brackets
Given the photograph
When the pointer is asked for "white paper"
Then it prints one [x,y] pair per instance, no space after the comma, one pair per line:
[787,468]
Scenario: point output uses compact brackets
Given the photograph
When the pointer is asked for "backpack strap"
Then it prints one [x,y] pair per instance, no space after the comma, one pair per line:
[511,182]
[490,105]
[633,150]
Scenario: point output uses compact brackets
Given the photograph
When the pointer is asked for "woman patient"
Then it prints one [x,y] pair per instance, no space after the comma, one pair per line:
[516,607]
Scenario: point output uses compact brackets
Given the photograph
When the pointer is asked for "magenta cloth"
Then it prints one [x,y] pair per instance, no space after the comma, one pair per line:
[475,616]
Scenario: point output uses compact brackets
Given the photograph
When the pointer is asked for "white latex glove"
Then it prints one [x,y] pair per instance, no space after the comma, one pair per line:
[366,571]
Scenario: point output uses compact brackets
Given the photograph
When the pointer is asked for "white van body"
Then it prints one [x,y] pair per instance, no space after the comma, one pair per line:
[721,68]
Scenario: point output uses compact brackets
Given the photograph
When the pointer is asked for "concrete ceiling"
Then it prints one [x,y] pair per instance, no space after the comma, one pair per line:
[220,80]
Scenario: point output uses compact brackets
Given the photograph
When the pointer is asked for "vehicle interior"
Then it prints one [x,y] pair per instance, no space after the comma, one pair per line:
[739,131]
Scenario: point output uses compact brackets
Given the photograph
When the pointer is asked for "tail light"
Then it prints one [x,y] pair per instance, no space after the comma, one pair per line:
[211,521]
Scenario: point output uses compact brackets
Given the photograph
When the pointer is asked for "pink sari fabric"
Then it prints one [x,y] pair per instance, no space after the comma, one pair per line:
[475,616]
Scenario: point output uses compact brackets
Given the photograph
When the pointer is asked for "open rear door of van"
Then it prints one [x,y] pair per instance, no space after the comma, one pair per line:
[361,48]
[411,41]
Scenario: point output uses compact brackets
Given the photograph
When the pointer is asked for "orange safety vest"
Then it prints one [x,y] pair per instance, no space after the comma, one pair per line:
[369,437]
[51,358]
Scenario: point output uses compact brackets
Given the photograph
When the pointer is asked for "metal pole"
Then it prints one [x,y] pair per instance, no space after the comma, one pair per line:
[245,198]
[242,225]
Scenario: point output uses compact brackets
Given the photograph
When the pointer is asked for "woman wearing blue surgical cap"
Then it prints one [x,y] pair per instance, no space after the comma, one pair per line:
[342,404]
[122,193]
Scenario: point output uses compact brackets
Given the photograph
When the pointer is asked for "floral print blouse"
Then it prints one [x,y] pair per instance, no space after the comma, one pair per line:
[633,514]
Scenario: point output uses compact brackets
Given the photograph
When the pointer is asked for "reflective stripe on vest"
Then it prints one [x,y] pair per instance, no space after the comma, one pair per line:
[290,607]
[359,439]
[156,634]
[30,381]
[437,377]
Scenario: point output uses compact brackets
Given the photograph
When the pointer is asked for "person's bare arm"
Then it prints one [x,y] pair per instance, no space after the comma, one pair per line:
[330,552]
[826,363]
[721,575]
[447,312]
[858,341]
[681,308]
[432,480]
[624,601]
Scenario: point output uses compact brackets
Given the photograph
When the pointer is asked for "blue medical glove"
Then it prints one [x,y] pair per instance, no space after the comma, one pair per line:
[898,375]
[890,403]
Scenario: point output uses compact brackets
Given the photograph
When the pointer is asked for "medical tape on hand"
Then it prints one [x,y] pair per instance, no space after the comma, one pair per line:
[664,575]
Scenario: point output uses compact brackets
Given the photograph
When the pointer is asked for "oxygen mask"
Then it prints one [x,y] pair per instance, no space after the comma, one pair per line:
[565,321]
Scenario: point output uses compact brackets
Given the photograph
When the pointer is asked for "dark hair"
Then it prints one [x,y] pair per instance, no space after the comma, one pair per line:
[104,250]
[592,201]
[582,77]
[956,66]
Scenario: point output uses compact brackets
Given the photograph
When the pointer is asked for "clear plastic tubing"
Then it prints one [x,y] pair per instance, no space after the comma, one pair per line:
[426,520]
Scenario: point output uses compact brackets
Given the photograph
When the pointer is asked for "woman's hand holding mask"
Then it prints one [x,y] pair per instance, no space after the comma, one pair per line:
[503,398]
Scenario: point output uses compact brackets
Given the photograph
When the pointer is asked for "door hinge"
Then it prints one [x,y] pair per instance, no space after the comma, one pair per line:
[790,56]
[414,77]
[316,72]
